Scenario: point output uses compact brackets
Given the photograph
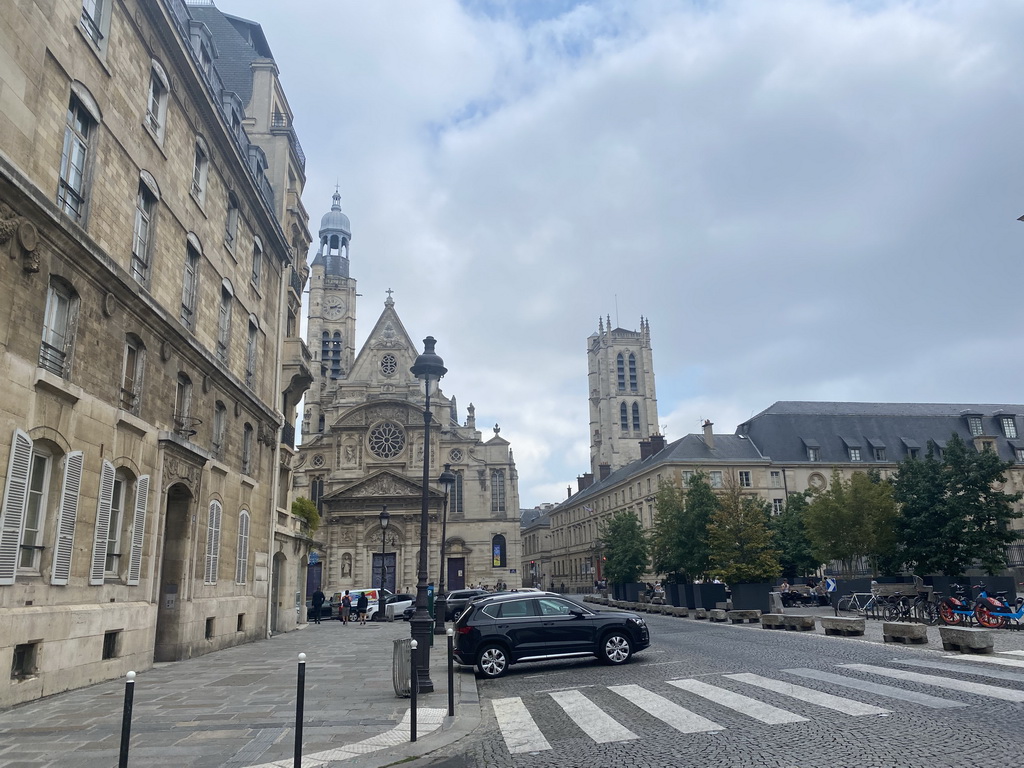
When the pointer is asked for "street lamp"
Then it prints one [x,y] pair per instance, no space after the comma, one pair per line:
[430,367]
[447,480]
[385,518]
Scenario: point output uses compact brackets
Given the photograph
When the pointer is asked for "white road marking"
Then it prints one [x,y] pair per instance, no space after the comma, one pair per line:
[517,726]
[934,702]
[682,720]
[827,700]
[987,660]
[745,705]
[964,669]
[591,719]
[966,686]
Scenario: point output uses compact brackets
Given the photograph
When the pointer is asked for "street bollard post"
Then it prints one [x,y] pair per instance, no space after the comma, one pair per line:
[299,701]
[126,719]
[451,671]
[413,687]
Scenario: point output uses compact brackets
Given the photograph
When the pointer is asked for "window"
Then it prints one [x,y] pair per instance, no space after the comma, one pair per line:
[498,490]
[776,478]
[455,504]
[498,551]
[716,479]
[78,132]
[220,413]
[23,664]
[231,222]
[156,108]
[257,262]
[190,282]
[145,207]
[55,349]
[242,563]
[1009,427]
[687,476]
[974,424]
[110,640]
[1019,453]
[131,378]
[623,417]
[632,372]
[92,16]
[744,477]
[224,320]
[117,512]
[35,510]
[183,406]
[636,417]
[986,445]
[200,169]
[879,454]
[854,454]
[213,543]
[250,353]
[111,495]
[620,366]
[138,529]
[913,452]
[813,453]
[247,449]
[777,505]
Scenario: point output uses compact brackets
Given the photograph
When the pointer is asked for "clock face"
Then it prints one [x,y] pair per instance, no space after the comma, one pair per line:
[334,307]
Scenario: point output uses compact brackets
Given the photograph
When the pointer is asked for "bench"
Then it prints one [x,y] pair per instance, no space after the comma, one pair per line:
[839,625]
[718,614]
[967,640]
[799,623]
[773,621]
[897,632]
[738,617]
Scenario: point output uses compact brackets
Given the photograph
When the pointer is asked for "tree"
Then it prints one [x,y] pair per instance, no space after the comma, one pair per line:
[306,509]
[679,538]
[740,540]
[790,538]
[625,548]
[953,512]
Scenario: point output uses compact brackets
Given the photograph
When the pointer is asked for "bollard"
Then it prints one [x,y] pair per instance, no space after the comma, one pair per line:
[451,671]
[299,700]
[413,687]
[126,719]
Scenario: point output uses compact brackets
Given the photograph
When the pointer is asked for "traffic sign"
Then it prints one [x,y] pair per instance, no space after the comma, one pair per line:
[830,585]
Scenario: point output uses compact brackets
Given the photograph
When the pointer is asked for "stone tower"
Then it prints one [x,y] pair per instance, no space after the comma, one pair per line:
[332,315]
[623,402]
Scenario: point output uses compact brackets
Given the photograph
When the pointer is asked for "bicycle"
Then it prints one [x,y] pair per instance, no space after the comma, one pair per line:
[856,602]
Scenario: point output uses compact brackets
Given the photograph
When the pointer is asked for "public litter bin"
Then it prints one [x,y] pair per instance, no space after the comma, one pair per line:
[401,667]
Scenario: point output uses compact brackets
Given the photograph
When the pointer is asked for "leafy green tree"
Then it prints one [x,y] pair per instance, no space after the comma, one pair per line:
[668,542]
[953,512]
[740,539]
[625,548]
[306,509]
[790,538]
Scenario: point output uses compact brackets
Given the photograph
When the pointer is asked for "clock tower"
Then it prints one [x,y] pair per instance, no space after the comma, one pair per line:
[332,314]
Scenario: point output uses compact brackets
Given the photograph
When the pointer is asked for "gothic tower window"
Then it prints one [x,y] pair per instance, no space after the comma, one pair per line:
[636,417]
[632,372]
[455,504]
[498,547]
[623,416]
[498,490]
[621,368]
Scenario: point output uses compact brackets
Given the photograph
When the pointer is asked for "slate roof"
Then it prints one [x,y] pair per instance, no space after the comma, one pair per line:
[239,43]
[783,431]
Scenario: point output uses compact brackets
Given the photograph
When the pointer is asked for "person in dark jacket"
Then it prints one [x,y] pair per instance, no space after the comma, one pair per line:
[318,604]
[362,604]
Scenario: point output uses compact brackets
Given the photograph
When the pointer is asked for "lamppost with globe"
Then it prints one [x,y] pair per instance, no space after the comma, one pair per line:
[446,480]
[385,518]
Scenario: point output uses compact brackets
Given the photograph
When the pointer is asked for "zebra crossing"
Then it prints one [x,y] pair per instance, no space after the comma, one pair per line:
[724,701]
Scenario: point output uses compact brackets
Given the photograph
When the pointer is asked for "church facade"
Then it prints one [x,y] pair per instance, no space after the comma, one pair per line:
[363,447]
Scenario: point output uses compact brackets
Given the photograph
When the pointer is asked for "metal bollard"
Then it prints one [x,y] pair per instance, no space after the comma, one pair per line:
[413,688]
[451,671]
[299,701]
[126,719]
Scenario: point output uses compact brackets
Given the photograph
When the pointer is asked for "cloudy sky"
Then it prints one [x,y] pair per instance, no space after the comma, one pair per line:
[809,200]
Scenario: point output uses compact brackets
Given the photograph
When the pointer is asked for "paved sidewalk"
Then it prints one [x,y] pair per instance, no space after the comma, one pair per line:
[236,708]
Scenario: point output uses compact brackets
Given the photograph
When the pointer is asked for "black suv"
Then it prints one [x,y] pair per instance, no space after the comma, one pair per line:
[457,601]
[504,629]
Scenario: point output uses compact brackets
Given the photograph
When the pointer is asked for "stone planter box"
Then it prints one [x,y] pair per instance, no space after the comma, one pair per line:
[967,640]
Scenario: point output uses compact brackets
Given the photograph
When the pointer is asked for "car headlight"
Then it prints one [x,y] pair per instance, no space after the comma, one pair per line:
[637,620]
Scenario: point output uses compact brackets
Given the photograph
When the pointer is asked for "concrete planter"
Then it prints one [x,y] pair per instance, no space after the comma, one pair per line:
[751,597]
[705,595]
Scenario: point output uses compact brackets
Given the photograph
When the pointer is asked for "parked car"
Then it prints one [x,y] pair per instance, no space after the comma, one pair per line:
[326,611]
[499,630]
[394,605]
[458,599]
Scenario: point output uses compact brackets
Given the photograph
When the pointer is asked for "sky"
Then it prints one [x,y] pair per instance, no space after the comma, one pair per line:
[809,200]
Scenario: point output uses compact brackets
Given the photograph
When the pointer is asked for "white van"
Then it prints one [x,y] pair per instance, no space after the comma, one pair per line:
[371,601]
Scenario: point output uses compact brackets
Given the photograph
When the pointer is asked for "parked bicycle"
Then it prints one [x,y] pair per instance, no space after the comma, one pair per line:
[958,608]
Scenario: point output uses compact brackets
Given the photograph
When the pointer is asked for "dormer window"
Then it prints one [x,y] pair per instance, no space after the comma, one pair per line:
[813,448]
[974,424]
[1009,426]
[855,454]
[1019,454]
[852,448]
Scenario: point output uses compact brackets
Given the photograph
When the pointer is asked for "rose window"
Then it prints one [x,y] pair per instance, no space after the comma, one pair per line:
[388,365]
[387,440]
[455,456]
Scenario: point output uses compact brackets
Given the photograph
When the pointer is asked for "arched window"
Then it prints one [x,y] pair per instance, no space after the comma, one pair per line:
[251,346]
[58,327]
[620,366]
[498,490]
[636,417]
[183,406]
[498,551]
[213,543]
[336,346]
[623,416]
[242,562]
[456,500]
[220,415]
[632,372]
[247,449]
[131,379]
[227,296]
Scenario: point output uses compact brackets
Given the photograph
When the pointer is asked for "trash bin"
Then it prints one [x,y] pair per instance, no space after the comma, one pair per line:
[401,667]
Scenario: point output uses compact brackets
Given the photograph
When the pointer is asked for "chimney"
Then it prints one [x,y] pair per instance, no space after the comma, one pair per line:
[584,481]
[568,491]
[657,444]
[709,436]
[645,449]
[604,470]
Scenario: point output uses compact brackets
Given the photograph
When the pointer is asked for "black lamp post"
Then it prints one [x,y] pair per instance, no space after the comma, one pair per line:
[430,367]
[385,518]
[447,480]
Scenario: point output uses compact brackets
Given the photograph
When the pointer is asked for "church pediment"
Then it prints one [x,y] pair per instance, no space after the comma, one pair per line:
[370,413]
[384,483]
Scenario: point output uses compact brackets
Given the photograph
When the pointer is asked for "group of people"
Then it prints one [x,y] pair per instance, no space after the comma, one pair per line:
[362,606]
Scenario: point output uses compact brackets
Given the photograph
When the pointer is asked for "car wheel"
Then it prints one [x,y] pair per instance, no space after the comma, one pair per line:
[492,661]
[616,648]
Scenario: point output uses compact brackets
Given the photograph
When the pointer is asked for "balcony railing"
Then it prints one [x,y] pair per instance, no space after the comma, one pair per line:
[90,27]
[288,435]
[279,122]
[51,359]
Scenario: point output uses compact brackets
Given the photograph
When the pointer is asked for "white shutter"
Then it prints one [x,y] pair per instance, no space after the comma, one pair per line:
[138,529]
[70,488]
[213,543]
[12,515]
[242,568]
[99,544]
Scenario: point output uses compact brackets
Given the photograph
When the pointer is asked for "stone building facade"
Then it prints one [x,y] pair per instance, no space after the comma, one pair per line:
[363,447]
[149,339]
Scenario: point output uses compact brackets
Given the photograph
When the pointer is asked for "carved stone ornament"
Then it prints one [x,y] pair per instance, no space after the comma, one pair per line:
[386,485]
[109,305]
[27,239]
[387,412]
[177,469]
[388,338]
[165,350]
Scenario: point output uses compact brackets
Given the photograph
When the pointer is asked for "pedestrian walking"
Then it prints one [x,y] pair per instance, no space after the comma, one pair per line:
[362,604]
[346,608]
[318,605]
